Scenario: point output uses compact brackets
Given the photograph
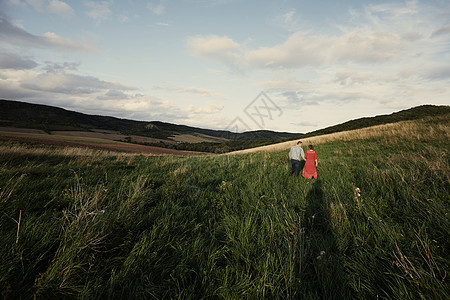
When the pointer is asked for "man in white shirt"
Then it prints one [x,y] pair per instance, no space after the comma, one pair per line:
[296,154]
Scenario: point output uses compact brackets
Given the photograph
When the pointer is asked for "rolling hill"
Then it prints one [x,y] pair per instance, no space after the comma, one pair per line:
[50,118]
[61,122]
[414,113]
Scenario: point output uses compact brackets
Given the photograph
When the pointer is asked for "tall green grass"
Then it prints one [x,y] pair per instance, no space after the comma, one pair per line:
[99,225]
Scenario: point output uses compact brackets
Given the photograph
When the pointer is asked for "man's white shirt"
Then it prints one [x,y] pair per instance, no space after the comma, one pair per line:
[296,153]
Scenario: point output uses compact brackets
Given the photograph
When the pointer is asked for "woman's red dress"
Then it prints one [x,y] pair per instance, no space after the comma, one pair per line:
[309,171]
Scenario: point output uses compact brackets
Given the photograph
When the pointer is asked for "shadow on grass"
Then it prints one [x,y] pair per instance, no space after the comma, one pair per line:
[325,276]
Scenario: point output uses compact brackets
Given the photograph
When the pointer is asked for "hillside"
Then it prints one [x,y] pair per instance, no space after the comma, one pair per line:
[50,118]
[414,113]
[377,131]
[82,223]
[360,128]
[60,122]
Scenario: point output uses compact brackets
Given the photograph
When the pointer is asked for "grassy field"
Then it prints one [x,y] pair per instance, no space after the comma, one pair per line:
[92,140]
[78,223]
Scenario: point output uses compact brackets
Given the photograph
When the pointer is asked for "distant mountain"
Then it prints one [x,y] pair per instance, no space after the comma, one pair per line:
[414,113]
[50,118]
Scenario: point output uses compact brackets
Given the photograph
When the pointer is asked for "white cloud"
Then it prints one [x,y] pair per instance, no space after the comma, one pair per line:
[441,31]
[395,10]
[158,8]
[15,61]
[113,94]
[306,124]
[288,21]
[438,73]
[10,84]
[60,8]
[51,6]
[349,77]
[302,50]
[15,36]
[56,83]
[67,83]
[284,80]
[282,83]
[392,16]
[190,89]
[136,105]
[92,95]
[53,40]
[214,47]
[209,108]
[366,47]
[98,11]
[38,5]
[299,50]
[351,88]
[52,67]
[132,106]
[380,34]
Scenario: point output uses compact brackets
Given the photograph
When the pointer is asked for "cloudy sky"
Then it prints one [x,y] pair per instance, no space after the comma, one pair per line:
[281,65]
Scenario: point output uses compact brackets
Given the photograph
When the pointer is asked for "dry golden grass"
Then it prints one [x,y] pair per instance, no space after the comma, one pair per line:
[74,154]
[99,135]
[92,143]
[414,131]
[66,151]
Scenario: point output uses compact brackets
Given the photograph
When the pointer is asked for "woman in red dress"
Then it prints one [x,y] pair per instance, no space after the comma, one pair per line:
[310,171]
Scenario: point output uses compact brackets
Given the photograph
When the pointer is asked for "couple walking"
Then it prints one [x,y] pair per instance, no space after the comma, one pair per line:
[296,154]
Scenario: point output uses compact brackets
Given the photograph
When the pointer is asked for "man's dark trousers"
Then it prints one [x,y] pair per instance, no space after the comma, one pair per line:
[295,166]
